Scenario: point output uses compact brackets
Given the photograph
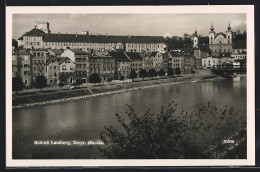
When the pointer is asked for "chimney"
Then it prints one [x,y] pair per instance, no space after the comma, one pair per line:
[97,34]
[129,36]
[76,35]
[66,34]
[106,35]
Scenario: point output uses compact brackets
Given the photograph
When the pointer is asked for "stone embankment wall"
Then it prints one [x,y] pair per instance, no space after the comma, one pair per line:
[22,101]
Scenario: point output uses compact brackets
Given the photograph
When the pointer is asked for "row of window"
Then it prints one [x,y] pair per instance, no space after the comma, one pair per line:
[144,45]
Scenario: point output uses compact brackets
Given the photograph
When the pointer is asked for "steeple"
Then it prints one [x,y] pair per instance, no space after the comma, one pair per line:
[229,26]
[195,31]
[212,28]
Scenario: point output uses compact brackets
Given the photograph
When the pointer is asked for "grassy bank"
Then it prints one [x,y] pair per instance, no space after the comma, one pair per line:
[39,98]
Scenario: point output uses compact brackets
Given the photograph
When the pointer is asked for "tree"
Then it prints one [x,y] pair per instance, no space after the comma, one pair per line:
[122,77]
[161,73]
[173,133]
[14,44]
[143,73]
[40,82]
[178,71]
[61,84]
[152,73]
[170,72]
[109,80]
[94,78]
[63,78]
[133,75]
[79,81]
[17,84]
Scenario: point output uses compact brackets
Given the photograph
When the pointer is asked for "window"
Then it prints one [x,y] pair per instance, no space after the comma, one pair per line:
[63,67]
[54,67]
[50,67]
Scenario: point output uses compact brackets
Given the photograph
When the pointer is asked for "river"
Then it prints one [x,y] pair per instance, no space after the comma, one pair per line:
[82,120]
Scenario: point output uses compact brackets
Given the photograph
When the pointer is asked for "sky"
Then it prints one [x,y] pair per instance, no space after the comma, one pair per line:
[130,24]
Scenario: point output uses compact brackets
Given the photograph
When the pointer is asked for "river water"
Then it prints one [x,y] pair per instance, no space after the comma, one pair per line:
[82,120]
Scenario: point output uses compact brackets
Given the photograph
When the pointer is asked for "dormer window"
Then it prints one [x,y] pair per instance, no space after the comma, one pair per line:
[220,42]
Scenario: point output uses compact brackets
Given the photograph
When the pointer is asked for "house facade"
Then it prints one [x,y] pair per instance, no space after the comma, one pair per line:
[22,67]
[80,58]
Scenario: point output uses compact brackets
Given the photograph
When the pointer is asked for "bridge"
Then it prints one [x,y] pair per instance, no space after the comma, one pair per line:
[228,71]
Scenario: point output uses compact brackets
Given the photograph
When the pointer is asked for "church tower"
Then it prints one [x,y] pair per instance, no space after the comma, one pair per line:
[211,34]
[195,39]
[229,34]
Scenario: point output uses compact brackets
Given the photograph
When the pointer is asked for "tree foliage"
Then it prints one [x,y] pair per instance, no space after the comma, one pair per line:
[17,84]
[173,133]
[94,78]
[178,71]
[161,73]
[143,73]
[175,42]
[40,82]
[170,72]
[152,73]
[133,75]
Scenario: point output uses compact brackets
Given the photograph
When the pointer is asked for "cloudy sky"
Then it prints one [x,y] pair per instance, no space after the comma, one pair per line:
[133,24]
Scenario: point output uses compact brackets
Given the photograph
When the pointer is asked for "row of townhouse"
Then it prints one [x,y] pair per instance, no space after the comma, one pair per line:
[72,64]
[183,60]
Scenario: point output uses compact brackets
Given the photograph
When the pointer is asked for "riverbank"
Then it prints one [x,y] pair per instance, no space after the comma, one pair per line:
[26,101]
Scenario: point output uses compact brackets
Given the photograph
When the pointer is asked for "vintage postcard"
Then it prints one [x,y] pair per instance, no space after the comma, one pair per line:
[130,86]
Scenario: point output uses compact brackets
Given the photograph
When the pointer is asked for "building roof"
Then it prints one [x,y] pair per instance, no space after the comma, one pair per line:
[119,56]
[57,37]
[134,56]
[165,55]
[101,38]
[56,51]
[239,44]
[152,54]
[62,59]
[78,51]
[33,32]
[220,33]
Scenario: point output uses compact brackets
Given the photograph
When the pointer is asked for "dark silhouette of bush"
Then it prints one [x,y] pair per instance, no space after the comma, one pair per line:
[172,133]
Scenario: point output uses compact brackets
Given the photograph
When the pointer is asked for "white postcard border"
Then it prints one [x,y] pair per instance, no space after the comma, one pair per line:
[248,9]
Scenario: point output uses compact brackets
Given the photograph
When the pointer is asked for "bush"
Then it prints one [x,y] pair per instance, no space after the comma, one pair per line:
[172,133]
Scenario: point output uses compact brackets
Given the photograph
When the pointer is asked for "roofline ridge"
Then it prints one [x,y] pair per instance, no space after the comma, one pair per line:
[127,56]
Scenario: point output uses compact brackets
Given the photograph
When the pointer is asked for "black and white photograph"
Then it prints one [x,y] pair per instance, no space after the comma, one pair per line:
[130,86]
